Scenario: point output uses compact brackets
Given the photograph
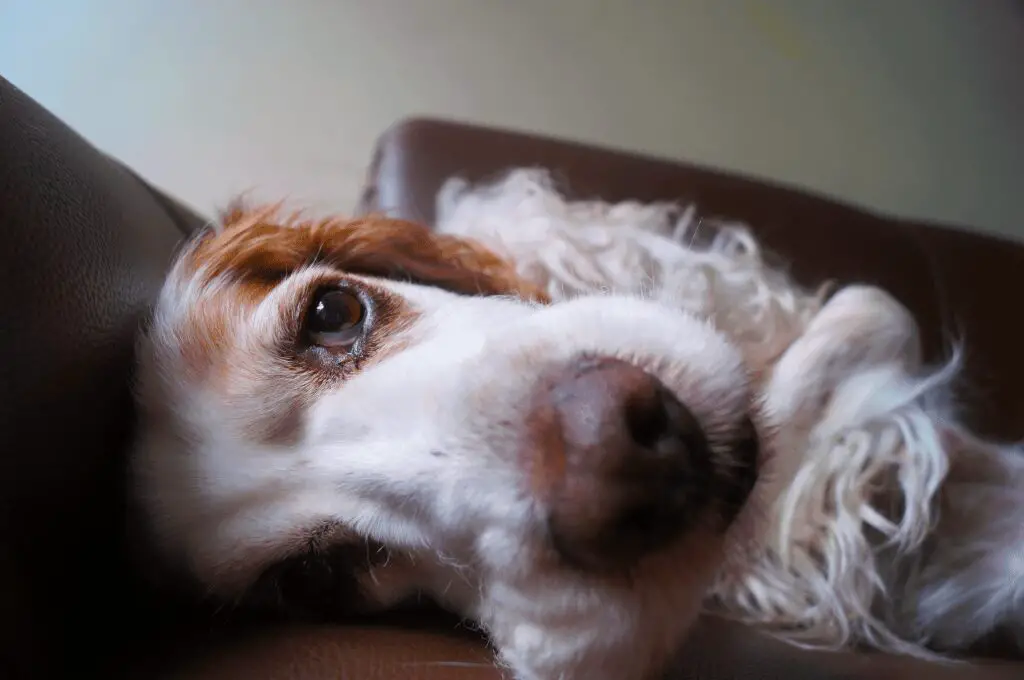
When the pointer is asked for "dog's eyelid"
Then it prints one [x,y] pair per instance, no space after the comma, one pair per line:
[341,340]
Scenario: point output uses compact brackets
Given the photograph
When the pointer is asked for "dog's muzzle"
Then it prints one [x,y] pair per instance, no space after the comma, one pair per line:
[621,466]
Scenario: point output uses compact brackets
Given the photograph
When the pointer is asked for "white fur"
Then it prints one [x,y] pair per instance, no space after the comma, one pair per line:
[879,531]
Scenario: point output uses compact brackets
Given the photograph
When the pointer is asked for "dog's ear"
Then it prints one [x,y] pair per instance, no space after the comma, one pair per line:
[261,242]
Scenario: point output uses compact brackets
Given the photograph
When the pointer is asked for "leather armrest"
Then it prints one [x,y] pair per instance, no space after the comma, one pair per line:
[716,651]
[954,280]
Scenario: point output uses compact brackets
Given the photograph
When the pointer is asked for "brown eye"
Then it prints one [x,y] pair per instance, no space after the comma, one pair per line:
[335,319]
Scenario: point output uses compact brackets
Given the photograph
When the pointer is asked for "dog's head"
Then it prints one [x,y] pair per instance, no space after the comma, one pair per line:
[338,414]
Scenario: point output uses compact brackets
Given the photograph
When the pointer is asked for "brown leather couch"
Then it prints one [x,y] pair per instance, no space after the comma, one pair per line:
[87,244]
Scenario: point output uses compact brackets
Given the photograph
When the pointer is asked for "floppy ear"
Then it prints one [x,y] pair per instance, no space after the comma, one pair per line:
[260,241]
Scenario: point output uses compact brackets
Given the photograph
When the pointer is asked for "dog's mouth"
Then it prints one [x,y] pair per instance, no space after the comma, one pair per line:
[322,583]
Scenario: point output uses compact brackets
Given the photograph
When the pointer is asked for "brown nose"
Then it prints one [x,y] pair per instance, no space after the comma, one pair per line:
[627,466]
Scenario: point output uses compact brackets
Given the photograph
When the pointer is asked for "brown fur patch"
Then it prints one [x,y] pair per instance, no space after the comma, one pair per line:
[270,384]
[263,244]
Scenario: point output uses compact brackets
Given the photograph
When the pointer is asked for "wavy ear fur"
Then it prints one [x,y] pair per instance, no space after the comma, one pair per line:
[263,243]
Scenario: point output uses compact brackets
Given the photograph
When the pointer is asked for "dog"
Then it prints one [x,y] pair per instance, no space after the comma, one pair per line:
[337,415]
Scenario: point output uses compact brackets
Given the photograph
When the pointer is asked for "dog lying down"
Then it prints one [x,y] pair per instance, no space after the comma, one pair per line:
[579,425]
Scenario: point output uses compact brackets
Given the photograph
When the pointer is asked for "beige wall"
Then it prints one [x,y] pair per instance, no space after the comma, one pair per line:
[913,106]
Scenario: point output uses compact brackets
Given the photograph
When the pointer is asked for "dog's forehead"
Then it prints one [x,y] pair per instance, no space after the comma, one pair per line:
[260,245]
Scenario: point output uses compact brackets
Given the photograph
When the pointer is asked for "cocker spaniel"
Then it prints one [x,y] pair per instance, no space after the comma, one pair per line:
[575,424]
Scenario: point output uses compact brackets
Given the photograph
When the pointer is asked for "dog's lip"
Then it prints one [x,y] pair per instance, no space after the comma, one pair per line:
[741,476]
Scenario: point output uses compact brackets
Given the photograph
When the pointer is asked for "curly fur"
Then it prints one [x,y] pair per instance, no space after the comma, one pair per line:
[876,533]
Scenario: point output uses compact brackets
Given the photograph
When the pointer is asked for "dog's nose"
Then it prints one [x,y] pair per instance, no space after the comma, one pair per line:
[625,467]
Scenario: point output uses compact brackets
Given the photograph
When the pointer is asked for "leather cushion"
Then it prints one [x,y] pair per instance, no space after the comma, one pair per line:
[715,651]
[86,244]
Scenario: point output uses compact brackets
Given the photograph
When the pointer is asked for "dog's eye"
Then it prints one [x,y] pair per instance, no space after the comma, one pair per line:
[335,319]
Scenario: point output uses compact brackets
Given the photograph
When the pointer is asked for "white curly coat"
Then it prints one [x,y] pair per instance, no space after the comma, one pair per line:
[886,522]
